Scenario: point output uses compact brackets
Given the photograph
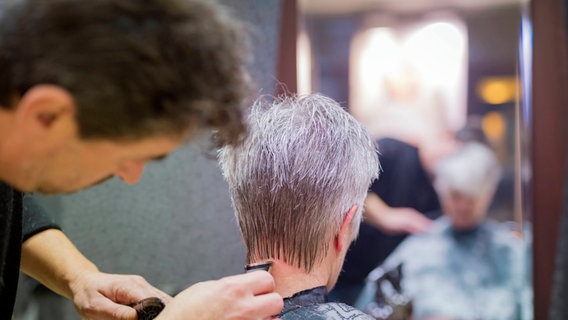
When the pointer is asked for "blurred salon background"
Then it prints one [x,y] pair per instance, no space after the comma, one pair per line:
[431,71]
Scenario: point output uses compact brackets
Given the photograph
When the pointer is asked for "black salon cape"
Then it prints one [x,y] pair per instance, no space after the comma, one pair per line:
[20,218]
[312,304]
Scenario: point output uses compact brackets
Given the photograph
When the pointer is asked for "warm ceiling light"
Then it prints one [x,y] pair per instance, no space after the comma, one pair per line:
[494,125]
[498,90]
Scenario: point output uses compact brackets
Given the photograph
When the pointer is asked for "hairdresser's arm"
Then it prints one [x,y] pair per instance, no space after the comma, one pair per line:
[393,220]
[51,258]
[246,296]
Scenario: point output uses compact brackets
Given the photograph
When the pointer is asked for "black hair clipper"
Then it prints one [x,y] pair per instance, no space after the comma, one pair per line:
[265,265]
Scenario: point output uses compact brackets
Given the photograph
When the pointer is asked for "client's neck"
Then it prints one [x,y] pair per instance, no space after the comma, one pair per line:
[290,279]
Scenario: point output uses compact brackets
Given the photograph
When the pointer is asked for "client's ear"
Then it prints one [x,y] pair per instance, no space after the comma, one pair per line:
[343,238]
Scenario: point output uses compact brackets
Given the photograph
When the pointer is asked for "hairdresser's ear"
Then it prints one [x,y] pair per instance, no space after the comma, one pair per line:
[46,112]
[344,237]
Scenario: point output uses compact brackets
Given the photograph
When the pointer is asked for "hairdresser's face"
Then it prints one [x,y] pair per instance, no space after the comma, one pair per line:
[41,150]
[464,211]
[84,163]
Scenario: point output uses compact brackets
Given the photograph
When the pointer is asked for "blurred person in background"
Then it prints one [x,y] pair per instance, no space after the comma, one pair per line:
[403,201]
[465,266]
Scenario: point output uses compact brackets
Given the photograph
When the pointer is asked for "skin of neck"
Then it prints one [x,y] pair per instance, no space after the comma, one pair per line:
[290,279]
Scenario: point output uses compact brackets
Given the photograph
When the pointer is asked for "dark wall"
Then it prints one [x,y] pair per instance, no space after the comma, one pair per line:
[548,153]
[493,37]
[331,38]
[559,308]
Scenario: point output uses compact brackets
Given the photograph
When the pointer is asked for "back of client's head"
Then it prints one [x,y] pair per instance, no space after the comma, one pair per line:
[304,165]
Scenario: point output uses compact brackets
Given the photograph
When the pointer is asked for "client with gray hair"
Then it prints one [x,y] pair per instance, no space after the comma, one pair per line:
[298,184]
[466,266]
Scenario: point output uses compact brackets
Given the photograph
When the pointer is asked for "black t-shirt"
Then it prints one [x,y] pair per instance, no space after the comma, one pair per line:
[20,218]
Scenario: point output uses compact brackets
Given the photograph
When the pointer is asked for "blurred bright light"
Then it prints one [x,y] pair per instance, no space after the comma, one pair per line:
[382,52]
[436,50]
[498,90]
[494,125]
[304,64]
[410,80]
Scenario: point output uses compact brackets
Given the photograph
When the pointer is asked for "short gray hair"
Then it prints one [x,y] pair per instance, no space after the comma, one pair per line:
[305,163]
[472,170]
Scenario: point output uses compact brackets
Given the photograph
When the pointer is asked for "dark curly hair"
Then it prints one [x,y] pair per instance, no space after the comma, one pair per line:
[136,68]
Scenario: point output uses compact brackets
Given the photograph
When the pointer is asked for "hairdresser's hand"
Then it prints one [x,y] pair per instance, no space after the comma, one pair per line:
[394,220]
[98,295]
[404,220]
[246,296]
[51,258]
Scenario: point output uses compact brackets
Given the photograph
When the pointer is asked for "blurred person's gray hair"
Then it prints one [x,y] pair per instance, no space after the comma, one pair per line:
[472,170]
[304,164]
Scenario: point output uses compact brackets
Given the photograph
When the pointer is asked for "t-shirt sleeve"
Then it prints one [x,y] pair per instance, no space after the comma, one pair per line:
[35,218]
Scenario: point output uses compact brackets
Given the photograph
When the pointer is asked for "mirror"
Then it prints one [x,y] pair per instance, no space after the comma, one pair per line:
[419,72]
